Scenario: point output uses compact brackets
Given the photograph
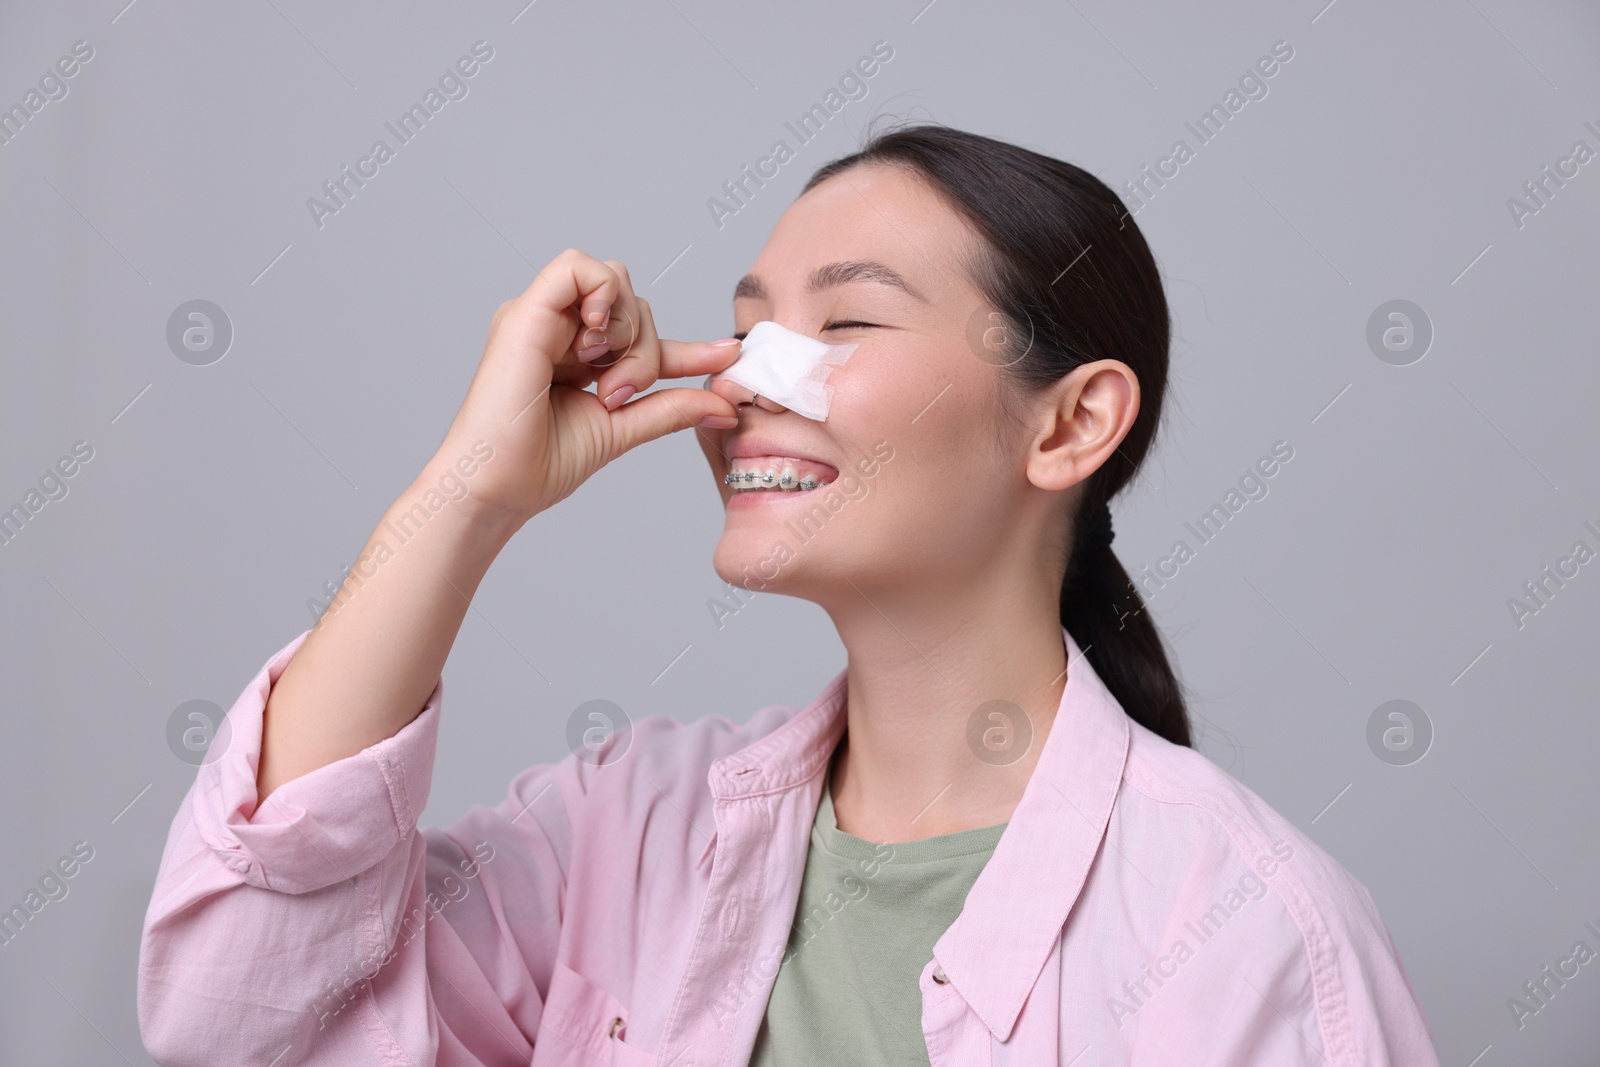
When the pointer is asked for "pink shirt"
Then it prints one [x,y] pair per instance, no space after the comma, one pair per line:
[1141,908]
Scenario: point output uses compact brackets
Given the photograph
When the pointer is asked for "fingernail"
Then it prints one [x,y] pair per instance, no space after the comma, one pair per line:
[586,354]
[619,397]
[593,336]
[719,422]
[724,342]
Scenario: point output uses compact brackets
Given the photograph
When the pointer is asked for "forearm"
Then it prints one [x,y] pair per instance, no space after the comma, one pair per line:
[371,661]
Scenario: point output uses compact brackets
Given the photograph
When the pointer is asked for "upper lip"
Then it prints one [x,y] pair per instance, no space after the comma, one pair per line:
[749,447]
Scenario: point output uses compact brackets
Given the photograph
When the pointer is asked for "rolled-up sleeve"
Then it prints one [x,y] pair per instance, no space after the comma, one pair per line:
[325,927]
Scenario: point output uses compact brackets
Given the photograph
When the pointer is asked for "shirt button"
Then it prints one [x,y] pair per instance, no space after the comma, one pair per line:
[616,1026]
[939,975]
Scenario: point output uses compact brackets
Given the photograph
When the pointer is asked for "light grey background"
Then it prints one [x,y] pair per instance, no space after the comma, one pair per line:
[220,498]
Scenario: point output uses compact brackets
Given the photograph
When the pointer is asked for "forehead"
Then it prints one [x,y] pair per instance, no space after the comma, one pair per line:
[875,214]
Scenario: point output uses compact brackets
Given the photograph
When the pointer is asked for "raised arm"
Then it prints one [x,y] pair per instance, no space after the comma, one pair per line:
[527,435]
[299,915]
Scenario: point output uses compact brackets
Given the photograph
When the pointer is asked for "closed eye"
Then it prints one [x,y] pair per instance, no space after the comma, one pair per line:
[829,326]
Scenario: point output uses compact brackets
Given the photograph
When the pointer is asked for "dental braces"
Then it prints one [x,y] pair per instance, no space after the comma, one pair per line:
[770,479]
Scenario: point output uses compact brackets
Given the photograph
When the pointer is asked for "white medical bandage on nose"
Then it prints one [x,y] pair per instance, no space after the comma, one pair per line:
[788,368]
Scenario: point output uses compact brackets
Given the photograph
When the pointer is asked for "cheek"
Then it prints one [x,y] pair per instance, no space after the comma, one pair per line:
[941,480]
[876,388]
[903,392]
[924,393]
[935,410]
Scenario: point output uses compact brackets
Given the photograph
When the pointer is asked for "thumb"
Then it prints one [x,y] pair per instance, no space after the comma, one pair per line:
[662,412]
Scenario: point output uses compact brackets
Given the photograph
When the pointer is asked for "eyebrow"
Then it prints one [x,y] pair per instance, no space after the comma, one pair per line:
[832,274]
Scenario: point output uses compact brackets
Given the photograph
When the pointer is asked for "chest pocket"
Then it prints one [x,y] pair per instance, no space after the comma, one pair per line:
[583,1024]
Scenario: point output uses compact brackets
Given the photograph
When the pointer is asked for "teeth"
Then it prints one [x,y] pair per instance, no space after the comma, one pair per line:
[786,479]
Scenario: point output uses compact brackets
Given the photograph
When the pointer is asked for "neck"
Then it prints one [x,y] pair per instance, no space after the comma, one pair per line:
[912,763]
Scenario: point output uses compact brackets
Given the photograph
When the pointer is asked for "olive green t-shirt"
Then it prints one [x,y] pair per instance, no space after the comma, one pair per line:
[847,989]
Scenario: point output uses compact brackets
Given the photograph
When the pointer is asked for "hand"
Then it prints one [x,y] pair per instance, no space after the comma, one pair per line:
[578,323]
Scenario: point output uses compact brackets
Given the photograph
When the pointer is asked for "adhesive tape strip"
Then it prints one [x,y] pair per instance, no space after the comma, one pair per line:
[788,368]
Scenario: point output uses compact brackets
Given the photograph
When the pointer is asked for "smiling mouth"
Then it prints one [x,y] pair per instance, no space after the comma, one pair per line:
[778,474]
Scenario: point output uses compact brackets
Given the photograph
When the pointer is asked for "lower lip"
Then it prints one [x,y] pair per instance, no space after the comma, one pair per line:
[758,498]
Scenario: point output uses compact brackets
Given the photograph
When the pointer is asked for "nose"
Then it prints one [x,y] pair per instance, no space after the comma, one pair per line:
[737,395]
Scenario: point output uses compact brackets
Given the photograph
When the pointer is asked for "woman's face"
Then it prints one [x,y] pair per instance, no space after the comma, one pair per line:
[928,469]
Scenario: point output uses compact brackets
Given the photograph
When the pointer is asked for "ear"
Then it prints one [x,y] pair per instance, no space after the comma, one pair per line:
[1085,417]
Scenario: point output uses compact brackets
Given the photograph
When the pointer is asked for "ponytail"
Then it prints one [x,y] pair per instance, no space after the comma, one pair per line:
[1103,611]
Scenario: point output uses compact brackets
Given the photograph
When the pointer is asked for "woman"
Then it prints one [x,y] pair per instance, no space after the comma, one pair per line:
[985,841]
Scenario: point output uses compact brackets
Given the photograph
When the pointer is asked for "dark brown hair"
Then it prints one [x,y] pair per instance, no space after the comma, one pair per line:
[1068,273]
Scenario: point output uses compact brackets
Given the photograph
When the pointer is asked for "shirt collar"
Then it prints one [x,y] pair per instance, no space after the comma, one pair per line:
[793,755]
[1015,912]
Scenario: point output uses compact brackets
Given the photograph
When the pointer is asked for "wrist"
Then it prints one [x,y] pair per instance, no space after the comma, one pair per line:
[444,487]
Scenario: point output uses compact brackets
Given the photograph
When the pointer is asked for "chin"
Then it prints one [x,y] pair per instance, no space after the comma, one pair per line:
[760,558]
